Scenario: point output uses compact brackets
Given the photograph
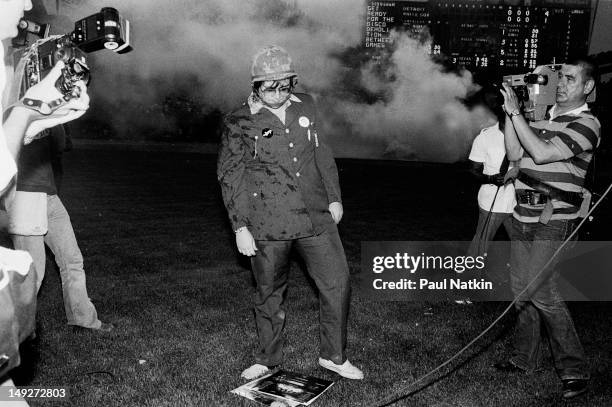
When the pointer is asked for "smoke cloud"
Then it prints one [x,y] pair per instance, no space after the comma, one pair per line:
[201,50]
[421,114]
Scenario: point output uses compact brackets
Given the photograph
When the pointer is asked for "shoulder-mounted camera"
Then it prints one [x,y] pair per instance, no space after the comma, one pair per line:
[538,90]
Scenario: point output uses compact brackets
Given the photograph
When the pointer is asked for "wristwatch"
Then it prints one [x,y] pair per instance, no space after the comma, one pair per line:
[515,112]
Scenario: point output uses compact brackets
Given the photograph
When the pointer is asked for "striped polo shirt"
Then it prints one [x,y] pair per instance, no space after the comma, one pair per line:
[575,134]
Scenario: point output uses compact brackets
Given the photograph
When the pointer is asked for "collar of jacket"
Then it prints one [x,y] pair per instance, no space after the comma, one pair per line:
[255,104]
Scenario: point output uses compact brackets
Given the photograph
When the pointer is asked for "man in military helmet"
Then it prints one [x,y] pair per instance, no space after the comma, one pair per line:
[281,190]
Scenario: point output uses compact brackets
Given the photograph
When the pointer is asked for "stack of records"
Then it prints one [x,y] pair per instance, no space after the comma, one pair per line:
[283,388]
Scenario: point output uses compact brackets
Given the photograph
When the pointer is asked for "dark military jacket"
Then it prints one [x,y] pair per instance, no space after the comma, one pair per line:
[277,179]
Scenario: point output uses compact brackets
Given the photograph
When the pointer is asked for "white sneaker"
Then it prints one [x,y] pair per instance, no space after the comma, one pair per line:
[254,371]
[345,370]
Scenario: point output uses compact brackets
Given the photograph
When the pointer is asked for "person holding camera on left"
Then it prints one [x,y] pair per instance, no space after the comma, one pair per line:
[21,122]
[38,217]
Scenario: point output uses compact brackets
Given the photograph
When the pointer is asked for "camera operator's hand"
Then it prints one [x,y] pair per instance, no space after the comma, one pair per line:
[245,242]
[46,92]
[511,102]
[496,179]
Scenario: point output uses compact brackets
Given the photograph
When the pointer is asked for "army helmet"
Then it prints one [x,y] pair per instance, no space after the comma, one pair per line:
[271,63]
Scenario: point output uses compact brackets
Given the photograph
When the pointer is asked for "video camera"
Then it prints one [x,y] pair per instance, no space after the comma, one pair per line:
[538,90]
[106,29]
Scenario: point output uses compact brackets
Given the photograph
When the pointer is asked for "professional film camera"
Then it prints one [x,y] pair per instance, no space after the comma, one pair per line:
[538,90]
[106,29]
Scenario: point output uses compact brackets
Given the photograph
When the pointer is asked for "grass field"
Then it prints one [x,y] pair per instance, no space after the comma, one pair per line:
[162,266]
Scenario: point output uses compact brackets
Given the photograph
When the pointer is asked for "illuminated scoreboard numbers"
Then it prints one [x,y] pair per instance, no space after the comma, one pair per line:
[514,34]
[533,56]
[530,51]
[519,15]
[481,61]
[520,35]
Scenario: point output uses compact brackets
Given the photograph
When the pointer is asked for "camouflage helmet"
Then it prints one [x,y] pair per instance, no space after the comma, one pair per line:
[271,63]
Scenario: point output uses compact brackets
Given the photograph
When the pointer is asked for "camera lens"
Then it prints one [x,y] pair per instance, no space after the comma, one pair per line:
[111,26]
[536,79]
[111,45]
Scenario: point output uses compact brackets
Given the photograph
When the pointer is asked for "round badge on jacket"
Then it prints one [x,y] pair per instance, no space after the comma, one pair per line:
[304,122]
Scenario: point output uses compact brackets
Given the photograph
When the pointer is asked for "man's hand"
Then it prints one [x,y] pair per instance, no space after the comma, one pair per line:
[245,242]
[496,179]
[511,102]
[511,175]
[336,210]
[46,92]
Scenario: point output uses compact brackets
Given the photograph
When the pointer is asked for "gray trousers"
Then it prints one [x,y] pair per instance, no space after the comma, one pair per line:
[326,264]
[61,240]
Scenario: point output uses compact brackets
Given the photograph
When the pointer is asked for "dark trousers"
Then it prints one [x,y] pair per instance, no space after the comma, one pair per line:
[533,244]
[488,223]
[326,264]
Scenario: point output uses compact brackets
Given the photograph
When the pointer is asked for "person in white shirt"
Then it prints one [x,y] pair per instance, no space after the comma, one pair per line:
[496,198]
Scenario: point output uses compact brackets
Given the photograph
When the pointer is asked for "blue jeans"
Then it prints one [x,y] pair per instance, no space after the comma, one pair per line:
[61,240]
[533,244]
[326,264]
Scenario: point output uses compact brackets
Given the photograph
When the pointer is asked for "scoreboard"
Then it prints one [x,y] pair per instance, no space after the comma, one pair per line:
[502,35]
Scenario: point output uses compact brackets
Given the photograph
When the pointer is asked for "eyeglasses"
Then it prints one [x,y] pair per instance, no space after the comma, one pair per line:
[281,90]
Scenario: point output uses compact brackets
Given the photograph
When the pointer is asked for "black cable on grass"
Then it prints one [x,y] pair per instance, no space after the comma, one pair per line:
[397,396]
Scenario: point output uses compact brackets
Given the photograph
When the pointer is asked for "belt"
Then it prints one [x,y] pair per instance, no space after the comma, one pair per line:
[544,194]
[572,198]
[531,197]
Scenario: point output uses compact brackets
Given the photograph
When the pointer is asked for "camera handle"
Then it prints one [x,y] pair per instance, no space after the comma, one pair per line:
[41,107]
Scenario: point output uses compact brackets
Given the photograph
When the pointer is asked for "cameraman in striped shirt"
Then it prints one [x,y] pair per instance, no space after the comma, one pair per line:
[554,156]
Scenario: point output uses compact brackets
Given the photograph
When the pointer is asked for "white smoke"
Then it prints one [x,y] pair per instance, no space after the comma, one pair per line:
[421,114]
[203,49]
[213,40]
